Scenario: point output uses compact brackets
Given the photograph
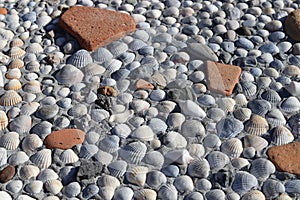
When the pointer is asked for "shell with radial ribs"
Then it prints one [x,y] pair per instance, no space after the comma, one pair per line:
[133,152]
[10,98]
[53,186]
[137,175]
[13,84]
[10,140]
[27,172]
[145,194]
[256,125]
[282,135]
[31,142]
[233,147]
[3,120]
[42,158]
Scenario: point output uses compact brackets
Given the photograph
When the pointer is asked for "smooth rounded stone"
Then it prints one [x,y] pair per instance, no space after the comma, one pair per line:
[216,114]
[89,191]
[296,49]
[265,58]
[171,171]
[269,48]
[244,43]
[72,189]
[276,36]
[155,179]
[228,46]
[194,196]
[284,46]
[171,12]
[157,125]
[249,152]
[212,141]
[277,64]
[215,194]
[274,25]
[14,186]
[47,111]
[190,30]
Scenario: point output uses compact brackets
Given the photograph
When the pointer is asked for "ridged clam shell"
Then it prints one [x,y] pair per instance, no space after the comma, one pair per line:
[16,52]
[133,152]
[102,55]
[229,127]
[167,192]
[137,175]
[47,174]
[262,168]
[290,104]
[87,151]
[10,141]
[10,98]
[257,142]
[139,105]
[196,150]
[242,114]
[275,118]
[217,160]
[179,156]
[154,159]
[33,66]
[34,187]
[293,88]
[42,158]
[166,106]
[108,180]
[16,63]
[175,140]
[3,156]
[212,141]
[145,194]
[14,73]
[184,183]
[106,192]
[256,125]
[215,194]
[241,99]
[13,84]
[292,186]
[175,120]
[190,108]
[282,135]
[272,188]
[126,57]
[3,120]
[123,193]
[5,195]
[215,114]
[253,195]
[69,75]
[157,95]
[68,156]
[291,70]
[271,96]
[199,168]
[117,47]
[21,124]
[249,88]
[121,130]
[239,162]
[232,147]
[34,48]
[192,128]
[80,58]
[243,182]
[17,42]
[29,108]
[93,69]
[3,43]
[136,44]
[110,143]
[194,196]
[259,106]
[31,142]
[112,65]
[14,186]
[117,168]
[155,179]
[157,125]
[27,172]
[53,186]
[226,104]
[17,158]
[143,133]
[32,86]
[284,196]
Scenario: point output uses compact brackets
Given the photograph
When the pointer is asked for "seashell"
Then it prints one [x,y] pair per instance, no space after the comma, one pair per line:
[32,86]
[117,168]
[42,158]
[3,43]
[107,180]
[17,42]
[121,117]
[157,95]
[101,55]
[14,73]
[257,142]
[293,122]
[275,118]
[284,197]
[192,128]
[145,194]
[33,66]
[10,141]
[229,127]
[170,170]
[259,107]
[199,168]
[93,69]
[13,84]
[253,195]
[243,182]
[71,190]
[16,63]
[248,88]
[166,106]
[21,124]
[133,152]
[14,186]
[117,47]
[34,187]
[184,183]
[263,82]
[256,125]
[123,193]
[262,168]
[242,114]
[53,186]
[175,120]
[241,99]
[232,147]
[293,88]
[155,159]
[29,108]
[155,179]
[69,75]
[291,70]
[51,198]
[194,196]
[281,135]
[121,130]
[292,186]
[227,104]
[239,163]
[35,48]
[167,192]
[179,156]
[136,44]
[112,65]
[137,175]
[272,188]
[18,158]
[175,140]
[215,114]
[88,151]
[28,171]
[68,156]
[217,160]
[16,52]
[215,194]
[212,141]
[196,150]
[190,108]
[271,96]
[80,58]
[3,156]
[157,125]
[5,195]
[290,104]
[3,120]
[31,142]
[139,105]
[47,174]
[103,157]
[110,143]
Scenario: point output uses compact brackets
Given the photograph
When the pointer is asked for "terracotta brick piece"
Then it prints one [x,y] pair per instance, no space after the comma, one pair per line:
[221,78]
[3,11]
[7,173]
[96,27]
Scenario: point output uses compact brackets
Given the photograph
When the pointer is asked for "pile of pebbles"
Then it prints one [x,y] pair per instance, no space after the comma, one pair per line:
[160,133]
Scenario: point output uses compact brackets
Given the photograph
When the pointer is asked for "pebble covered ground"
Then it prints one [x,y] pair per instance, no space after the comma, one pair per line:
[152,129]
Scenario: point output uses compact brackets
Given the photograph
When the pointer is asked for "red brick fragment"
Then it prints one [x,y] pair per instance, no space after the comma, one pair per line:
[3,11]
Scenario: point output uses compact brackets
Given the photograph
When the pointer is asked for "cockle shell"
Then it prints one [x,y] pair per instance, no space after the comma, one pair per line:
[292,186]
[68,156]
[117,168]
[242,114]
[215,114]
[243,182]
[262,168]
[217,160]
[145,194]
[80,58]
[27,172]
[14,186]
[284,196]
[139,105]
[33,66]
[112,66]
[14,73]
[229,127]
[282,135]
[17,42]
[175,120]
[16,52]
[184,183]
[157,125]
[13,84]
[32,86]
[126,57]
[253,195]
[275,118]
[117,47]
[21,124]
[18,158]
[123,193]
[248,88]
[157,95]
[108,180]
[271,96]
[239,162]
[199,168]
[53,186]
[137,175]
[167,192]
[166,106]
[232,147]
[226,104]
[154,159]
[259,106]
[133,152]
[196,150]
[106,192]
[272,188]
[143,133]
[256,125]
[174,140]
[29,108]
[290,105]
[121,130]
[3,120]
[10,141]
[192,128]
[101,55]
[241,99]
[34,187]
[190,108]
[179,156]
[93,69]
[47,174]
[16,63]
[3,156]
[34,48]
[10,98]
[257,142]
[69,75]
[110,143]
[136,44]
[42,158]
[31,142]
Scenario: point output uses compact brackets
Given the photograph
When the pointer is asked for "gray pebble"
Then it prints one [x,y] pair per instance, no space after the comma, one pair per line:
[244,43]
[269,48]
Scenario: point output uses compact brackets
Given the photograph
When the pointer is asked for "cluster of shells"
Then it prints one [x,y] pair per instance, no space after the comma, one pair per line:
[161,135]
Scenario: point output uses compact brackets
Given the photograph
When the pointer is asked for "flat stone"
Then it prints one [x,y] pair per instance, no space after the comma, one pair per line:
[64,139]
[286,157]
[222,78]
[89,169]
[142,84]
[3,11]
[7,173]
[292,25]
[96,27]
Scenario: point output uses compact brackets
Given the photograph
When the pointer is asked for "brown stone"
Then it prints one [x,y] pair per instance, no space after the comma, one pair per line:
[7,173]
[221,78]
[292,25]
[107,91]
[3,11]
[286,157]
[64,139]
[142,84]
[96,27]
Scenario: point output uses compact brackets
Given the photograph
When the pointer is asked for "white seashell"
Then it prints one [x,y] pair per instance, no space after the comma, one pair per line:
[243,182]
[194,196]
[17,42]
[14,186]
[143,133]
[126,57]
[13,84]
[139,105]
[80,58]
[217,160]
[145,194]
[10,98]
[21,124]
[103,157]
[249,89]
[136,44]
[35,48]
[32,86]
[271,96]
[10,141]
[262,168]
[167,192]
[69,75]
[121,117]
[16,63]
[179,156]
[275,118]
[291,104]
[284,196]
[242,114]
[227,104]
[157,95]
[133,152]
[190,108]
[293,88]
[137,175]
[34,187]
[154,159]
[196,150]
[93,69]
[117,168]
[123,193]
[166,106]
[3,43]
[229,127]
[33,66]
[102,55]
[239,163]
[174,140]
[42,158]
[241,99]
[192,128]
[110,143]
[47,174]
[155,179]
[256,125]
[184,183]
[112,66]
[232,147]
[292,186]
[68,156]
[16,52]
[281,135]
[117,47]
[14,73]
[29,108]
[199,168]
[107,180]
[31,142]
[3,120]
[121,130]
[106,192]
[257,142]
[175,120]
[18,158]
[253,194]
[272,188]
[53,186]
[259,106]
[5,195]
[28,171]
